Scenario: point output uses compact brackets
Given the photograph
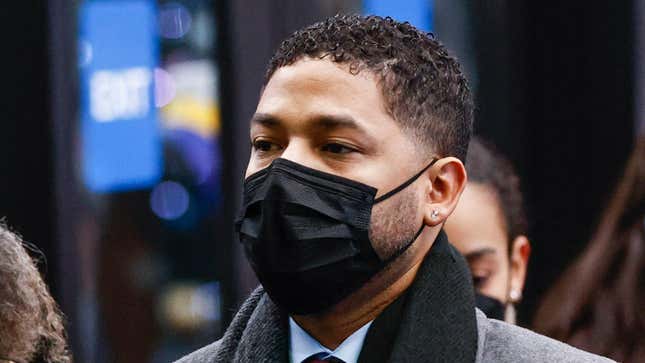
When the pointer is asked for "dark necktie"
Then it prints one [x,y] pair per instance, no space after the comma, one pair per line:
[321,358]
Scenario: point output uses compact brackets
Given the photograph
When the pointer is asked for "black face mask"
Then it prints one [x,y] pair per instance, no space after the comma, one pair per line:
[492,307]
[305,233]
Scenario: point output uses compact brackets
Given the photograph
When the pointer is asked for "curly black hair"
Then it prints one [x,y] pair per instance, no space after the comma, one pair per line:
[424,88]
[486,166]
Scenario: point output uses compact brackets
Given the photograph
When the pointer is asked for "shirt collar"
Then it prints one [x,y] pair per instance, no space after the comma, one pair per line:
[302,345]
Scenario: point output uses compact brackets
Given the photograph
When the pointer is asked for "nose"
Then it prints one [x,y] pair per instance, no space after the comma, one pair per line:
[300,151]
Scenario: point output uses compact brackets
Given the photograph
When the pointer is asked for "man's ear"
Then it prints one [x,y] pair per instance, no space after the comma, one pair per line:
[447,182]
[520,253]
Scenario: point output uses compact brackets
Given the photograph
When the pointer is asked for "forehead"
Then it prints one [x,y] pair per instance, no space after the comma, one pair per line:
[315,86]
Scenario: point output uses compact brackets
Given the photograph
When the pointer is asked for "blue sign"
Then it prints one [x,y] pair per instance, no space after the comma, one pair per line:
[120,136]
[416,12]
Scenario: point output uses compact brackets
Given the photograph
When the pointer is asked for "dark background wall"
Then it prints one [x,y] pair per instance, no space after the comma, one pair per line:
[556,95]
[26,172]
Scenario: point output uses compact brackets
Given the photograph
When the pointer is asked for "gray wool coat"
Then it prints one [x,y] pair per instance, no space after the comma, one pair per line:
[439,323]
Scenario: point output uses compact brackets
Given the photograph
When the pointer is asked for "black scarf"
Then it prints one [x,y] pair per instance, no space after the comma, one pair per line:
[436,316]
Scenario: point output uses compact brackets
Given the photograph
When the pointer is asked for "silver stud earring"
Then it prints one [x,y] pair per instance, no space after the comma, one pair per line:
[515,295]
[435,214]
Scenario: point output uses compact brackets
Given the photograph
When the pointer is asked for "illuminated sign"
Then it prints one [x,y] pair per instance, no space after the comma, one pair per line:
[120,136]
[416,12]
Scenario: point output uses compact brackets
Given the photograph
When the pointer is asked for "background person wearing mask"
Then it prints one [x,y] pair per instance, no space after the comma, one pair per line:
[599,302]
[357,143]
[489,228]
[31,325]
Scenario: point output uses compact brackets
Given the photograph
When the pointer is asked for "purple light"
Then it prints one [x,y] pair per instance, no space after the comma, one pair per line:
[174,21]
[165,89]
[169,200]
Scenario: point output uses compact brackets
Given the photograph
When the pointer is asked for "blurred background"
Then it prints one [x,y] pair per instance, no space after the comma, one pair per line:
[124,136]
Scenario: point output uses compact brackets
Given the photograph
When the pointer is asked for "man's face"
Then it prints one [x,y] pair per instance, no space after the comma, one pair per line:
[316,113]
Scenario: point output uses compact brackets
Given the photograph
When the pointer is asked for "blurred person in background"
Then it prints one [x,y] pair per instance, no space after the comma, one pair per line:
[598,304]
[357,143]
[489,228]
[31,325]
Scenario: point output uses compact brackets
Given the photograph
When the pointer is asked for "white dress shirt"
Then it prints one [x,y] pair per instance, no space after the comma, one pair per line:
[302,345]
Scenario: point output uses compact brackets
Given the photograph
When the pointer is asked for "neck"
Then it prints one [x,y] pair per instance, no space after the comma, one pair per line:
[332,327]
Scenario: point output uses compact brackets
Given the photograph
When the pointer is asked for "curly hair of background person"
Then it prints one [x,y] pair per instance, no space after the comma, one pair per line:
[31,325]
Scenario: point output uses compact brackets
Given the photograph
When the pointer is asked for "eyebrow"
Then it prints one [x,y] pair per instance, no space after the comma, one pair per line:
[265,119]
[479,253]
[329,122]
[326,122]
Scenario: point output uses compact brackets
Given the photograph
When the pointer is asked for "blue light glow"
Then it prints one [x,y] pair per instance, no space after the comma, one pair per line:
[169,200]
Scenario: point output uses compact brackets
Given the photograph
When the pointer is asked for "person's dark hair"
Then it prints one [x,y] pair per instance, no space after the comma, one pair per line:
[424,88]
[486,166]
[31,325]
[597,304]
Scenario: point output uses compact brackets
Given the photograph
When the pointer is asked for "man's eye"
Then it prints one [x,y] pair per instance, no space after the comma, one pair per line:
[265,146]
[336,148]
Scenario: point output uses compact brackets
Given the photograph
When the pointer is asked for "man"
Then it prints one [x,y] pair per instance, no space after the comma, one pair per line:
[489,229]
[31,325]
[357,144]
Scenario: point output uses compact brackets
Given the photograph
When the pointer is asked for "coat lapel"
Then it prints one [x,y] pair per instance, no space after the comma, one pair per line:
[265,338]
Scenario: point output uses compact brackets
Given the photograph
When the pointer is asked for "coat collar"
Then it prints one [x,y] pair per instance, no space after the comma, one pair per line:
[266,337]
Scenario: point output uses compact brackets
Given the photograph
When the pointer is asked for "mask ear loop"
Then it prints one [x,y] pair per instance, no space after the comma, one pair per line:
[405,184]
[404,248]
[391,193]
